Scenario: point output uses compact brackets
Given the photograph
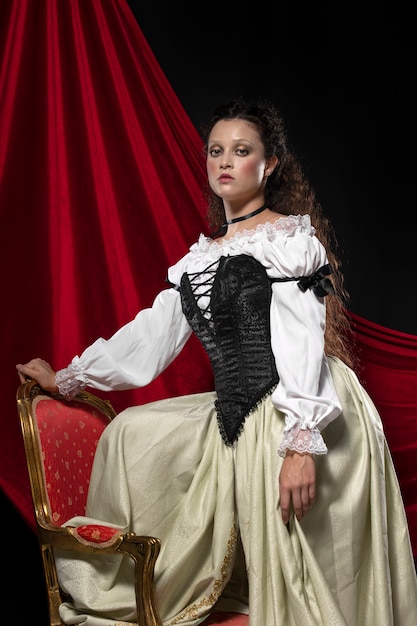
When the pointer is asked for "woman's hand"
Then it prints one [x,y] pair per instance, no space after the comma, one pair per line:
[297,484]
[39,370]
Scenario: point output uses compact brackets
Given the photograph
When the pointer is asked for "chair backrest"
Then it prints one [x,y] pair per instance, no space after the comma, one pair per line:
[60,438]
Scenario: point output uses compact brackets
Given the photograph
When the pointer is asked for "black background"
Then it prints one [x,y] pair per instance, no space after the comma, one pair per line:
[342,75]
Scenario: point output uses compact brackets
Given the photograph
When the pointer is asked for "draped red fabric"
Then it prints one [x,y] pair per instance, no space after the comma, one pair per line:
[388,361]
[101,176]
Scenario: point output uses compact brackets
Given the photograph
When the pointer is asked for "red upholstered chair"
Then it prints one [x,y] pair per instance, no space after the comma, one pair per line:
[60,439]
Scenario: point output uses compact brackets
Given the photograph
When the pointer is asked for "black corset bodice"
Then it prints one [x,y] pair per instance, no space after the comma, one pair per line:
[235,332]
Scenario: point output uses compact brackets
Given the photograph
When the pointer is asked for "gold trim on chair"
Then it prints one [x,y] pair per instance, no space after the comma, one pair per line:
[144,550]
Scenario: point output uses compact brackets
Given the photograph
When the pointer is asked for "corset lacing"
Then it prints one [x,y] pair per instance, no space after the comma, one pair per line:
[228,307]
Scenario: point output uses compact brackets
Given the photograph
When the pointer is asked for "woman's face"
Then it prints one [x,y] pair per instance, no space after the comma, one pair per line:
[236,165]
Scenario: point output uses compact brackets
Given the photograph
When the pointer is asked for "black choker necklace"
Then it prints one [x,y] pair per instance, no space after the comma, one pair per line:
[223,228]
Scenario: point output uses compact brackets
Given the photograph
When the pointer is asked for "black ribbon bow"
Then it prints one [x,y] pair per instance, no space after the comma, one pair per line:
[318,282]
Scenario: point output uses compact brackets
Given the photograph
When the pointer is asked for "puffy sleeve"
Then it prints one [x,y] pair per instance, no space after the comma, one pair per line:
[305,392]
[136,354]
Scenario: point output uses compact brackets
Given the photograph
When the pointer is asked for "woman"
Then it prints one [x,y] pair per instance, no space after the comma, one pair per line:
[275,494]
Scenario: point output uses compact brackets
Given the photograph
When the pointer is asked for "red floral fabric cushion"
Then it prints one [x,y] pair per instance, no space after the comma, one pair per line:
[68,434]
[101,536]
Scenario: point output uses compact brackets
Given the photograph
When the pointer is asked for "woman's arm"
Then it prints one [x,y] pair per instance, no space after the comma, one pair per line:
[135,355]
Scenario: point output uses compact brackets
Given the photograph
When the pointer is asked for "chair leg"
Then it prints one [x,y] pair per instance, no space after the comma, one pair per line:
[144,551]
[52,585]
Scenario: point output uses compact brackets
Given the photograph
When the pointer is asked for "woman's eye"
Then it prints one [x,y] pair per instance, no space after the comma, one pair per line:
[214,152]
[242,151]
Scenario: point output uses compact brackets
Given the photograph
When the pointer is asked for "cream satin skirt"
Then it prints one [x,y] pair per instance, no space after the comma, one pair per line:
[162,469]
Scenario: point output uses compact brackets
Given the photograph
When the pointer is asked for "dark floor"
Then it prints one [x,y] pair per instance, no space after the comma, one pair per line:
[23,587]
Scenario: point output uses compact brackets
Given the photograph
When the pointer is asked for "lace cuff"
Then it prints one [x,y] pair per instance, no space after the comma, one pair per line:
[70,381]
[302,440]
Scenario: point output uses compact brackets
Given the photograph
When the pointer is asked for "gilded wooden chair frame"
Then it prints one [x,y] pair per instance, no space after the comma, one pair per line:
[144,550]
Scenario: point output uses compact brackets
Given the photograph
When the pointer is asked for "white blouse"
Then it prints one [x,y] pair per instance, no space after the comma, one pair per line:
[139,351]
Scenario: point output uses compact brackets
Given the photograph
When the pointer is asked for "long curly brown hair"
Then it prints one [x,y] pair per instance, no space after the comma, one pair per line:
[289,192]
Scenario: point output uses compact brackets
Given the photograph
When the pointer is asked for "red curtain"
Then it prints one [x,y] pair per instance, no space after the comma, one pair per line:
[389,373]
[101,174]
